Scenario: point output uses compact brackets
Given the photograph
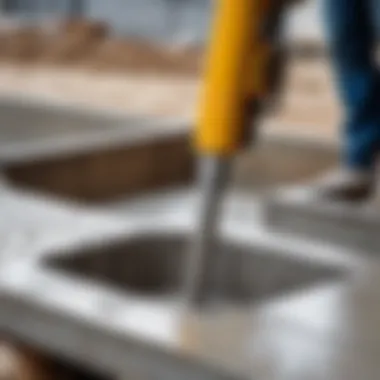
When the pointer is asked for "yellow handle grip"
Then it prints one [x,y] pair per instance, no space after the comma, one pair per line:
[233,70]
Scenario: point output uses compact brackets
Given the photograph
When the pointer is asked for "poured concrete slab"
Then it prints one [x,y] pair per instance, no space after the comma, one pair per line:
[296,211]
[89,155]
[141,328]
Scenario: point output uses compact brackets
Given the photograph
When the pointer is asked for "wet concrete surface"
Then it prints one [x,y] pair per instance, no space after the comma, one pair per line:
[329,331]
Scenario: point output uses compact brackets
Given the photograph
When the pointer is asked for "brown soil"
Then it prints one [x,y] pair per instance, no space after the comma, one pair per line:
[89,44]
[25,45]
[143,57]
[74,42]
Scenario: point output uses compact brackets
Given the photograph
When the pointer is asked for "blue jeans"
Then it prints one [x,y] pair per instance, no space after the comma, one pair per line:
[351,32]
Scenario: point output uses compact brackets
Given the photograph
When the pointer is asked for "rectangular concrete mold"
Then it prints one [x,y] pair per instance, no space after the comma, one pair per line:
[111,301]
[154,266]
[89,155]
[116,310]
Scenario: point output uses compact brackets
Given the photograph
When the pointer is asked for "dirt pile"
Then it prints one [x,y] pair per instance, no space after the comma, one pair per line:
[75,41]
[24,45]
[129,55]
[142,56]
[89,43]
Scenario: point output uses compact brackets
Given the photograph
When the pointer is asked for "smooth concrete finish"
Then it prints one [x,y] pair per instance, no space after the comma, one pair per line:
[326,331]
[89,155]
[298,212]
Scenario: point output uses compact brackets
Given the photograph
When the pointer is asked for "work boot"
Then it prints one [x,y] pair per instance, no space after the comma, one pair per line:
[346,185]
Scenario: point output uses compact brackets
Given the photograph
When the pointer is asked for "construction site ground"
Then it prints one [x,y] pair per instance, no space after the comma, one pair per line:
[81,65]
[309,106]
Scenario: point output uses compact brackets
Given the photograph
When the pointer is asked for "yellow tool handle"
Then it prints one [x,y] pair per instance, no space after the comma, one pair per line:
[234,71]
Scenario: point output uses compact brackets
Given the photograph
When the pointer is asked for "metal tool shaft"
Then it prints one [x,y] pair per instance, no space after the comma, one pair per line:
[203,255]
[241,73]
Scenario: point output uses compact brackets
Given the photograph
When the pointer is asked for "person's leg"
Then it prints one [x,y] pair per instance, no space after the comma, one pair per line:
[351,37]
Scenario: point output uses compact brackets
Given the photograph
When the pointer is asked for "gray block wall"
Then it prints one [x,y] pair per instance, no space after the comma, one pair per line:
[169,20]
